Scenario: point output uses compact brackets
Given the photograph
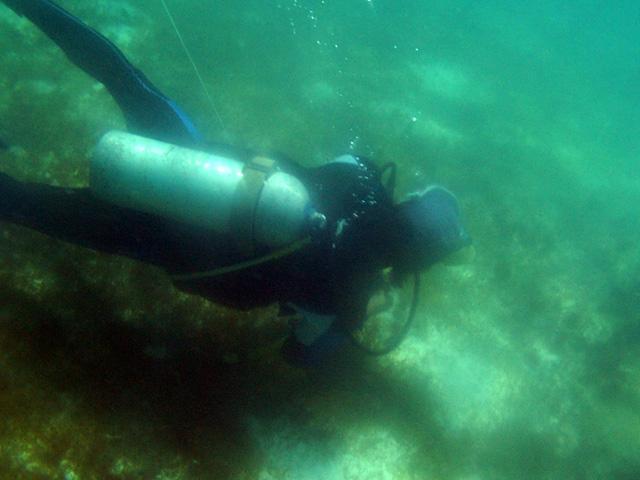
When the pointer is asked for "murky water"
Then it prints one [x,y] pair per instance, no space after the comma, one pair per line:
[520,365]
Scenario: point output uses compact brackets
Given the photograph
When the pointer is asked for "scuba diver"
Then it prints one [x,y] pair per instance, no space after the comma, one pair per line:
[237,227]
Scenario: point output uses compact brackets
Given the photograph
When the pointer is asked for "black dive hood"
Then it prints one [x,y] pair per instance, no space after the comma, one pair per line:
[431,229]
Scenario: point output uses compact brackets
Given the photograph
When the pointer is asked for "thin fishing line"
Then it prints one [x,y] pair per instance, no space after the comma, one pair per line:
[193,64]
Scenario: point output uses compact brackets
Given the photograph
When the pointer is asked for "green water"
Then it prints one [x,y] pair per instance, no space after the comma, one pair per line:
[521,365]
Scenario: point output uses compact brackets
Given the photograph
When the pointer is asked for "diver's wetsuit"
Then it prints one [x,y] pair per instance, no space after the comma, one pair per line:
[328,277]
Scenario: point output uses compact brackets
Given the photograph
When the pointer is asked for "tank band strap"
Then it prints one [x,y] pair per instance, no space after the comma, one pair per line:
[254,174]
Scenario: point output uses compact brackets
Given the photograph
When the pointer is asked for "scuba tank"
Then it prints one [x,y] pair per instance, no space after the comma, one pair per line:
[253,201]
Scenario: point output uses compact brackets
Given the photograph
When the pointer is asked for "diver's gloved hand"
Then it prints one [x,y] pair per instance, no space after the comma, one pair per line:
[317,353]
[314,337]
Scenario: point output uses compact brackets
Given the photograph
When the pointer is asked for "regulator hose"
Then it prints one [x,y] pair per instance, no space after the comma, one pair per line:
[396,339]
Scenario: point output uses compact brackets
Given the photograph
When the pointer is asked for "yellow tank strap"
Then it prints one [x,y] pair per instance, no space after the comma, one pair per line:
[236,267]
[254,174]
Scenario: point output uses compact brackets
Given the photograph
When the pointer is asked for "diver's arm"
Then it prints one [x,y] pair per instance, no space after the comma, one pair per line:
[316,339]
[148,112]
[319,353]
[314,345]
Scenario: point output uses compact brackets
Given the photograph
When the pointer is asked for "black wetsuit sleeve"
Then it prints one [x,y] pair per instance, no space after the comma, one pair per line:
[147,111]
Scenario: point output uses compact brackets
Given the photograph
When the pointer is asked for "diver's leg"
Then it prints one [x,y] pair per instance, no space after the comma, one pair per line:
[148,112]
[78,217]
[75,215]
